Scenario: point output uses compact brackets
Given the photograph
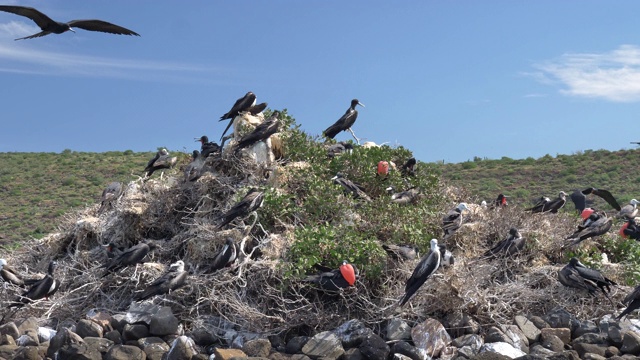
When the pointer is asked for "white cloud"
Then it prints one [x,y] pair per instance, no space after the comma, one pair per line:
[613,76]
[16,29]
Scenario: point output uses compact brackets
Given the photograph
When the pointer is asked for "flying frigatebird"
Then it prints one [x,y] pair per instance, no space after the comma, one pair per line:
[345,122]
[49,26]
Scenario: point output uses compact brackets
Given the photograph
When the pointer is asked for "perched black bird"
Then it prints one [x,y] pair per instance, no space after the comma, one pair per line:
[345,122]
[43,288]
[513,244]
[110,195]
[225,257]
[453,220]
[409,168]
[632,301]
[261,133]
[49,26]
[578,276]
[193,170]
[131,256]
[401,252]
[579,198]
[339,149]
[256,109]
[249,204]
[207,147]
[162,160]
[334,280]
[408,196]
[547,205]
[596,224]
[631,229]
[350,187]
[241,105]
[501,201]
[425,268]
[174,278]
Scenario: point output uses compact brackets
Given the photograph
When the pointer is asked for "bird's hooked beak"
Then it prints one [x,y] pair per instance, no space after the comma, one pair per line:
[197,139]
[71,29]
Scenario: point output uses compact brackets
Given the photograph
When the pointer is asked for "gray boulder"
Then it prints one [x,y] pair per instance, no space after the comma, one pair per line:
[183,347]
[125,352]
[88,328]
[398,329]
[163,322]
[373,347]
[325,344]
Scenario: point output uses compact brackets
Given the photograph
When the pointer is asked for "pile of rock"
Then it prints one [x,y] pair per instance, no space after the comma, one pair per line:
[151,332]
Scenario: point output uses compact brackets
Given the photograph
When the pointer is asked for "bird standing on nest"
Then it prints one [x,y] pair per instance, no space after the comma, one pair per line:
[248,205]
[174,278]
[43,288]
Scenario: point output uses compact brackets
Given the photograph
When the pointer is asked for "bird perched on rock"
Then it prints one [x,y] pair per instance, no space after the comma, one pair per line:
[251,202]
[241,105]
[174,278]
[578,276]
[43,288]
[596,224]
[345,122]
[334,280]
[131,256]
[207,147]
[110,195]
[350,187]
[453,220]
[339,148]
[225,257]
[632,301]
[425,268]
[547,205]
[49,26]
[513,244]
[579,198]
[262,132]
[162,160]
[630,210]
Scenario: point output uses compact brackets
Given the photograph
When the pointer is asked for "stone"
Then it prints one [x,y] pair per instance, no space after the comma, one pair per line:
[78,351]
[430,337]
[86,328]
[62,338]
[257,348]
[612,351]
[29,338]
[7,340]
[516,337]
[398,329]
[278,356]
[45,334]
[300,357]
[489,355]
[195,357]
[467,352]
[472,340]
[30,323]
[125,352]
[295,344]
[592,338]
[400,357]
[615,334]
[541,350]
[228,354]
[325,344]
[528,328]
[563,333]
[101,318]
[100,344]
[8,351]
[449,353]
[403,348]
[585,327]
[352,354]
[135,332]
[590,356]
[351,333]
[28,353]
[496,335]
[631,343]
[552,343]
[183,347]
[163,322]
[538,322]
[114,335]
[502,348]
[118,321]
[373,347]
[583,348]
[153,347]
[10,328]
[559,318]
[277,342]
[459,323]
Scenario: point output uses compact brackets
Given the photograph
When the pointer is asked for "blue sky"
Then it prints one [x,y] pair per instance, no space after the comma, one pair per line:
[449,80]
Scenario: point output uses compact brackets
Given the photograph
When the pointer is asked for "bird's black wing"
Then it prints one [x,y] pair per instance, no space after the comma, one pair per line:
[427,266]
[606,195]
[240,105]
[579,200]
[261,132]
[345,122]
[39,18]
[152,161]
[102,26]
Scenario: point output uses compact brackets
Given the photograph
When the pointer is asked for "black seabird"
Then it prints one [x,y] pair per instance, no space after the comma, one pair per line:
[241,105]
[131,256]
[409,168]
[162,160]
[630,210]
[49,26]
[513,244]
[596,224]
[408,196]
[225,257]
[337,279]
[339,149]
[207,147]
[500,201]
[547,205]
[631,229]
[632,301]
[345,122]
[257,109]
[426,267]
[110,195]
[174,278]
[401,252]
[578,276]
[43,288]
[193,170]
[249,204]
[113,250]
[579,198]
[350,187]
[453,220]
[261,133]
